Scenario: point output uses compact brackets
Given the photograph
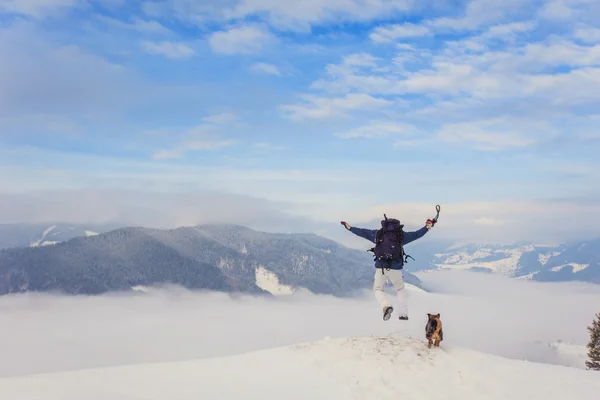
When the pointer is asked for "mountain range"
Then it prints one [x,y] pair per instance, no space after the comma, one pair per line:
[226,258]
[99,258]
[577,261]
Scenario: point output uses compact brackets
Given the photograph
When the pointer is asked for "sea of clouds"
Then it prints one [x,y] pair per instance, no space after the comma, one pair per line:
[503,316]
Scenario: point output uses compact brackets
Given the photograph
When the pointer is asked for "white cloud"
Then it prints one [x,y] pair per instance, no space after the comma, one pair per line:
[588,35]
[561,11]
[265,146]
[221,118]
[150,208]
[360,60]
[137,24]
[191,145]
[512,28]
[45,79]
[497,72]
[487,221]
[150,317]
[378,129]
[525,220]
[327,107]
[391,33]
[480,138]
[202,137]
[557,10]
[300,15]
[39,9]
[480,13]
[266,68]
[169,49]
[247,39]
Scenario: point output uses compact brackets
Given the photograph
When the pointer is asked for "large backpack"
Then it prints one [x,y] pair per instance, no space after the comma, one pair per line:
[388,242]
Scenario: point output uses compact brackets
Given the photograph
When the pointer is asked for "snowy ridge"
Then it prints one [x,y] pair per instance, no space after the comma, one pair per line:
[359,368]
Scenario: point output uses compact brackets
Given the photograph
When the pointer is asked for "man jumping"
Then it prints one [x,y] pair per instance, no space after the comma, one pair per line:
[389,259]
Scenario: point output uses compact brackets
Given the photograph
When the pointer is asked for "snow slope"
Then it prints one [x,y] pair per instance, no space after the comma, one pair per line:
[269,281]
[348,368]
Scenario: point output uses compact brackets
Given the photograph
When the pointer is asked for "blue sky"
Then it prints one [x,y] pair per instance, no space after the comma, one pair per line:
[304,113]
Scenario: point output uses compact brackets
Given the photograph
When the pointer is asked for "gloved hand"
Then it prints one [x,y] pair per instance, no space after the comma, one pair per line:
[347,225]
[429,224]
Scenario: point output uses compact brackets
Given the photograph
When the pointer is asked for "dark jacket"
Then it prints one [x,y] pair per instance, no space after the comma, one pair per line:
[371,235]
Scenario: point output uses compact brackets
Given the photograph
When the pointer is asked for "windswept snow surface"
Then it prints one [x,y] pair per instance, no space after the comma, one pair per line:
[347,368]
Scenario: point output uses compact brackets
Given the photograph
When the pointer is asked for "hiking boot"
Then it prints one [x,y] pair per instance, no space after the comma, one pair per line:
[403,317]
[388,313]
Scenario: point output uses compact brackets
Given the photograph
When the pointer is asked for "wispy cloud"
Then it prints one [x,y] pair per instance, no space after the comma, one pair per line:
[301,15]
[266,68]
[206,136]
[191,145]
[169,49]
[328,107]
[391,33]
[137,24]
[477,136]
[221,118]
[480,13]
[378,129]
[588,35]
[38,9]
[247,39]
[266,147]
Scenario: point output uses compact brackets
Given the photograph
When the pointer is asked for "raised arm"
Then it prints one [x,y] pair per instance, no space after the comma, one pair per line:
[369,234]
[412,236]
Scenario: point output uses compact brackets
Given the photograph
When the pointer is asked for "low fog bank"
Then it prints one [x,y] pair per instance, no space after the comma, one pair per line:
[507,317]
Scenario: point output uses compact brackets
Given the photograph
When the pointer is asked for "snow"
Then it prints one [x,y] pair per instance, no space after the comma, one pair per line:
[269,281]
[576,267]
[528,276]
[464,261]
[140,288]
[413,288]
[41,241]
[358,368]
[544,257]
[573,355]
[90,233]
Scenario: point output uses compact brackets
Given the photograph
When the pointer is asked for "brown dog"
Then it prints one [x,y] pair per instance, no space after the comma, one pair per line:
[433,330]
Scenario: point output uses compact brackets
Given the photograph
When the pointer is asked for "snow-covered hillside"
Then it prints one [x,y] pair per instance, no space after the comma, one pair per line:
[358,368]
[504,260]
